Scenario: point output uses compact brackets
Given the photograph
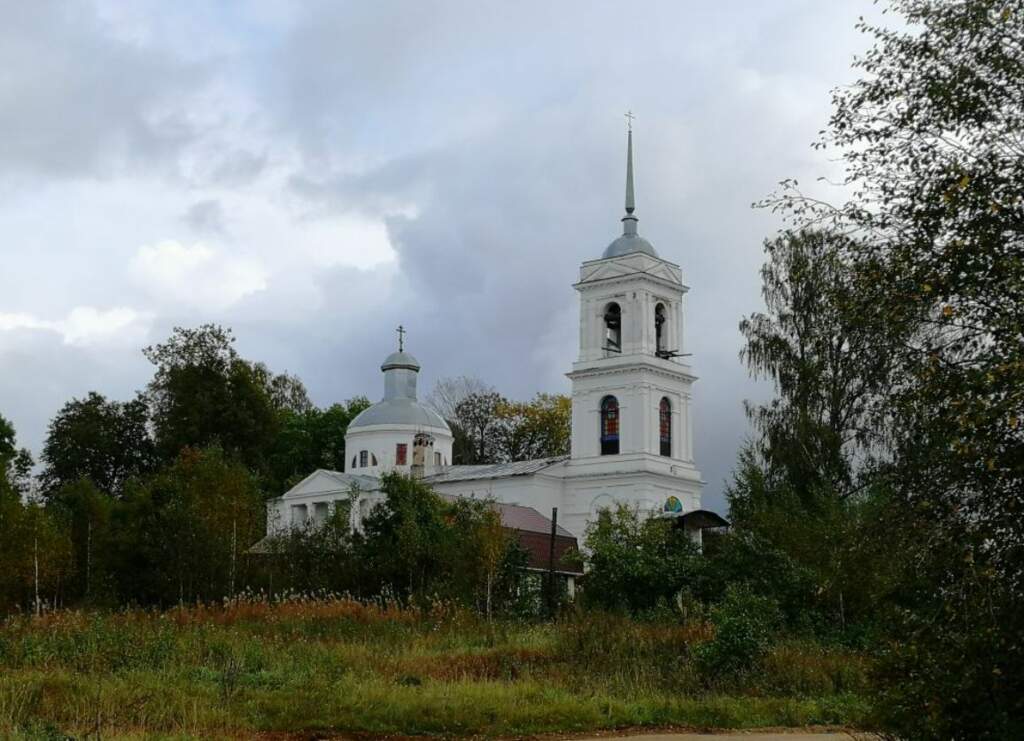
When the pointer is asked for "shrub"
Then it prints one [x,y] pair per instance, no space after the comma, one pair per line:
[743,625]
[637,563]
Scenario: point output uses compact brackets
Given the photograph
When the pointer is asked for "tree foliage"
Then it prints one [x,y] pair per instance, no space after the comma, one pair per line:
[203,393]
[638,563]
[825,360]
[311,439]
[418,544]
[15,463]
[34,547]
[539,428]
[488,428]
[104,441]
[183,533]
[930,138]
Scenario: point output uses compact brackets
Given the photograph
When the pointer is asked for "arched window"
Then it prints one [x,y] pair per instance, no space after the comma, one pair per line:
[613,328]
[659,329]
[364,458]
[665,426]
[609,426]
[353,461]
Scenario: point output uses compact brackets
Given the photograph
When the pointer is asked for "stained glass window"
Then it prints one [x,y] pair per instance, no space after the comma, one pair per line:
[665,426]
[609,426]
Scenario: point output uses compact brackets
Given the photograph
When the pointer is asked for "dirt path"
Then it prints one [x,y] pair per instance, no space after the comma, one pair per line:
[780,736]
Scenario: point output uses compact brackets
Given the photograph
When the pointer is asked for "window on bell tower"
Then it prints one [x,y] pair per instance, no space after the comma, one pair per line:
[613,328]
[609,426]
[659,330]
[665,426]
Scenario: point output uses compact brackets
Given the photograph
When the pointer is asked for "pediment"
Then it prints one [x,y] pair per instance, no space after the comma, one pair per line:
[637,264]
[318,482]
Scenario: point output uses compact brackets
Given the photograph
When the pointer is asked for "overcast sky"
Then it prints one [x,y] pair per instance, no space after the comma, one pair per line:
[313,174]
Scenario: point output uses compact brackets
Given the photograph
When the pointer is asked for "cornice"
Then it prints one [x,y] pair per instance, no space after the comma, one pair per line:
[619,368]
[585,285]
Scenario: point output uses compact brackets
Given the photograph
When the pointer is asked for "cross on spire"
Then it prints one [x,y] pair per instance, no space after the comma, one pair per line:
[629,120]
[401,338]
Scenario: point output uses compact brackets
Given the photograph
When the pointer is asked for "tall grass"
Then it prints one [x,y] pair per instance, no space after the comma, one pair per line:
[334,663]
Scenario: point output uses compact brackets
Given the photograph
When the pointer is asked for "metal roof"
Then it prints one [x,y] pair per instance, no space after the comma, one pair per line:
[527,519]
[400,359]
[701,519]
[628,243]
[399,411]
[493,470]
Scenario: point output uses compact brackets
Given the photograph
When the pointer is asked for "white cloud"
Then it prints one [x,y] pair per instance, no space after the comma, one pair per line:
[85,325]
[196,276]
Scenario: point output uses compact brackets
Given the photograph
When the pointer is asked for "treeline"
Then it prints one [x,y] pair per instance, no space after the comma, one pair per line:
[882,495]
[158,499]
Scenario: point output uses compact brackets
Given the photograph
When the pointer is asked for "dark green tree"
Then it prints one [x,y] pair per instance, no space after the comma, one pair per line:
[419,545]
[15,463]
[34,544]
[183,534]
[311,439]
[638,563]
[827,362]
[930,138]
[104,441]
[86,512]
[203,393]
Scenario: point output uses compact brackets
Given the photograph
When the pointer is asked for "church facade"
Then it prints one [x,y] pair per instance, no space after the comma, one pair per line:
[632,430]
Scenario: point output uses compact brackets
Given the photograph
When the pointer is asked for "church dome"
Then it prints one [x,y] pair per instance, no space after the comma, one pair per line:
[628,243]
[400,359]
[399,412]
[399,405]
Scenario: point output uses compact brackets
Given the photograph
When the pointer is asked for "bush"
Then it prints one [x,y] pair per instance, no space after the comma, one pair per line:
[743,625]
[639,564]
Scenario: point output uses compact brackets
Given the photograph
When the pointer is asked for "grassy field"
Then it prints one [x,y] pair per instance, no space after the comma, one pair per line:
[308,665]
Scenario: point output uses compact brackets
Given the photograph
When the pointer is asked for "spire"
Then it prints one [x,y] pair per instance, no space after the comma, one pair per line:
[629,220]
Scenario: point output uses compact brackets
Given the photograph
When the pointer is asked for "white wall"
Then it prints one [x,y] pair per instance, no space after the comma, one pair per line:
[381,441]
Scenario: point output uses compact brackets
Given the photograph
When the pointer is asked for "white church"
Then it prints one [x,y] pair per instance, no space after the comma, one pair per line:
[632,428]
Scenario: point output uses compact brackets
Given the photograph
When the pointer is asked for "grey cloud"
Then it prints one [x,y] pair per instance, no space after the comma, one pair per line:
[238,168]
[205,216]
[75,100]
[488,138]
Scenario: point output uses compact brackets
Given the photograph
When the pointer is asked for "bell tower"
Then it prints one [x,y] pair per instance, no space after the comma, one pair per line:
[632,434]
